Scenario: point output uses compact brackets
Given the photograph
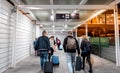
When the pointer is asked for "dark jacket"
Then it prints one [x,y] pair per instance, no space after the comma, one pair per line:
[69,50]
[43,44]
[84,44]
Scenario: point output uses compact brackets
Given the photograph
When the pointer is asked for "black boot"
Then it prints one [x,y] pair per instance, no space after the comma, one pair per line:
[90,71]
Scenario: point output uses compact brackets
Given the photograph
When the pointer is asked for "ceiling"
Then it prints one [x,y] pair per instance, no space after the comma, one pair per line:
[43,16]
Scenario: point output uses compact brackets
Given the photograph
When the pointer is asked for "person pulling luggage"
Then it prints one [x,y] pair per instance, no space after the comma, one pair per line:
[86,52]
[43,45]
[70,46]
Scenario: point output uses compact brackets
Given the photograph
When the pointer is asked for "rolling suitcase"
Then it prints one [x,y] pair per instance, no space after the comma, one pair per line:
[48,68]
[61,47]
[78,64]
[55,60]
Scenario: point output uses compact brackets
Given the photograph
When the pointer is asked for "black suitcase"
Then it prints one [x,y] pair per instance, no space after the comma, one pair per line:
[48,68]
[78,64]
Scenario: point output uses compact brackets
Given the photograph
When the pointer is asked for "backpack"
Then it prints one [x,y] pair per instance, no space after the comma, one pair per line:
[86,48]
[71,43]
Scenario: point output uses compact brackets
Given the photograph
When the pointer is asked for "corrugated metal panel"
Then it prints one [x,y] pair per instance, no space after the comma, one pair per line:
[109,53]
[23,37]
[5,54]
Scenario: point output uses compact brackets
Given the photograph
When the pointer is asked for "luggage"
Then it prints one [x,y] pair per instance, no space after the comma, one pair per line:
[48,68]
[91,59]
[61,47]
[55,60]
[78,64]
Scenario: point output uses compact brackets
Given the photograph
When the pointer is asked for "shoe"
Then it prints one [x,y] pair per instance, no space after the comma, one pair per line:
[82,68]
[90,71]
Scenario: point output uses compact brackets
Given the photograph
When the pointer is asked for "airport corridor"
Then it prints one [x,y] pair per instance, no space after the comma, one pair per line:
[31,65]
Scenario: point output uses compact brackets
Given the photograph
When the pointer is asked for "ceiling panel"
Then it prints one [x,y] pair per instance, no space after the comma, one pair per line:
[84,14]
[36,2]
[98,2]
[66,2]
[42,15]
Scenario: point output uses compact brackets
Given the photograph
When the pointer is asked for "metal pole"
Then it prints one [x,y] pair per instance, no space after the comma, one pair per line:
[116,36]
[13,64]
[86,29]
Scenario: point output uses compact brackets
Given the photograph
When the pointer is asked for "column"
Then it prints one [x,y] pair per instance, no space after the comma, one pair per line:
[86,29]
[116,27]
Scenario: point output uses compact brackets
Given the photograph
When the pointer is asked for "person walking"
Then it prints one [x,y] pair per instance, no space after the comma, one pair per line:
[52,46]
[86,52]
[70,46]
[34,43]
[43,46]
[58,42]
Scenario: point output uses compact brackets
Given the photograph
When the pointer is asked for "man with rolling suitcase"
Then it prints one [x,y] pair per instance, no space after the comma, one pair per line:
[70,46]
[43,46]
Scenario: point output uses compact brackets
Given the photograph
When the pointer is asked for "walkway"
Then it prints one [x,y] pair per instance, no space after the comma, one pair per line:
[31,65]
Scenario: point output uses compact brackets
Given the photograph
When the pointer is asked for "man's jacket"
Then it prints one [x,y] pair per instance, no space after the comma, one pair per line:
[43,44]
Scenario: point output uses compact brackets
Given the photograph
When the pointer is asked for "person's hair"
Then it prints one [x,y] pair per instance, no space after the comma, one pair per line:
[70,32]
[52,37]
[85,38]
[44,32]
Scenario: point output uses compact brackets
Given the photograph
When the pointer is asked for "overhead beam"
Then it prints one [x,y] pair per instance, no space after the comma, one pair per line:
[85,7]
[115,2]
[68,23]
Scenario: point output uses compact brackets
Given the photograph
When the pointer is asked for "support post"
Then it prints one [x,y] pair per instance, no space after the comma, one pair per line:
[13,64]
[116,27]
[86,29]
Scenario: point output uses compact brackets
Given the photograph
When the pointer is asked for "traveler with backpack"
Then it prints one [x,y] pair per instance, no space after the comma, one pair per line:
[43,45]
[86,51]
[70,46]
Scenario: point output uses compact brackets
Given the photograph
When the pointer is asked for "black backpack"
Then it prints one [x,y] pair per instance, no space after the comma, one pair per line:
[86,47]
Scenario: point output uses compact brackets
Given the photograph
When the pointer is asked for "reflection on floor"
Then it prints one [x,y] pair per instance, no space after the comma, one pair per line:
[31,65]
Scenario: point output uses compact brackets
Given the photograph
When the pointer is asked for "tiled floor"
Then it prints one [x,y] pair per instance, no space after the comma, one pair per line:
[31,65]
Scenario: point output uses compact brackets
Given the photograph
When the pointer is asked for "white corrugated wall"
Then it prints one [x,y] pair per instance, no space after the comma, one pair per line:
[16,36]
[5,51]
[23,37]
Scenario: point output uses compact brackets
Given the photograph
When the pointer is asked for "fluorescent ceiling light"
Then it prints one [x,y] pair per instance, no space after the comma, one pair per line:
[83,2]
[66,26]
[33,8]
[41,25]
[52,17]
[53,26]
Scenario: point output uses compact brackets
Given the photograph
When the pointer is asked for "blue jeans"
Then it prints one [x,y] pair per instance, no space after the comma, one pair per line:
[70,61]
[43,59]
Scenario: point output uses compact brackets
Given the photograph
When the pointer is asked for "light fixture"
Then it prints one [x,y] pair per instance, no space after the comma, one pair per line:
[53,26]
[41,25]
[63,29]
[33,8]
[52,17]
[65,26]
[74,12]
